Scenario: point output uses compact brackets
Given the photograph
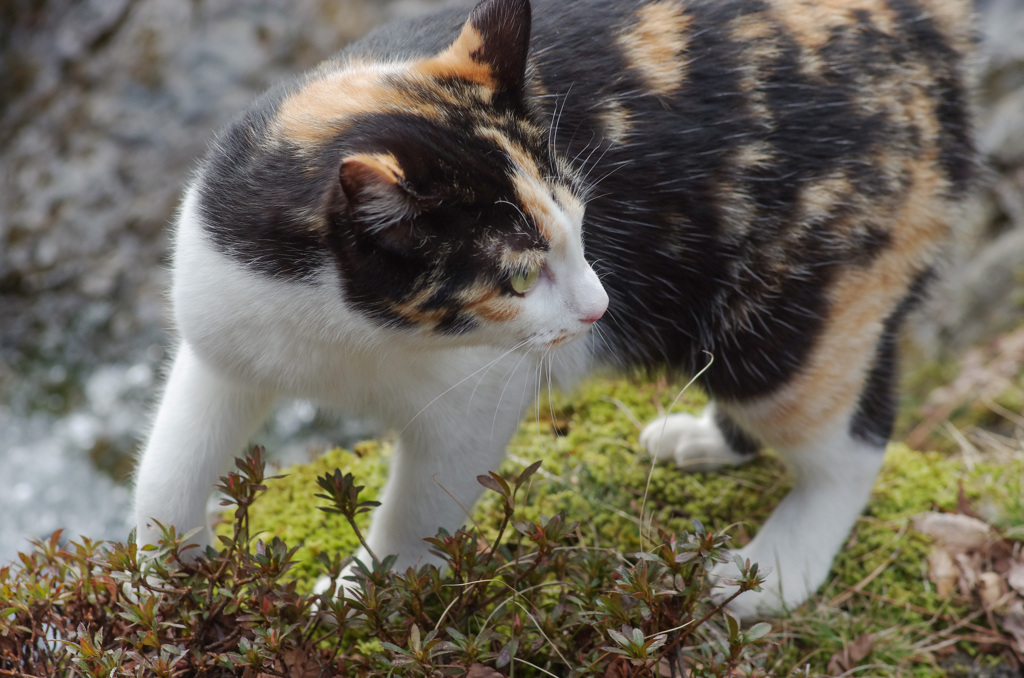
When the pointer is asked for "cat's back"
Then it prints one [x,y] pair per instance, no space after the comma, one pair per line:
[750,165]
[758,165]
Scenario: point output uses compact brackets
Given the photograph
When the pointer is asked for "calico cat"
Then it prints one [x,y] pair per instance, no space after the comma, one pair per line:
[451,211]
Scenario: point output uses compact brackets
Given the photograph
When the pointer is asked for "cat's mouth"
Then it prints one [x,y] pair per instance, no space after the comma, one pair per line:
[560,337]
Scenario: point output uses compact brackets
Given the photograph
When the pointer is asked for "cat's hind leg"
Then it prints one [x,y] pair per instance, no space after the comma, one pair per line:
[705,443]
[830,424]
[833,478]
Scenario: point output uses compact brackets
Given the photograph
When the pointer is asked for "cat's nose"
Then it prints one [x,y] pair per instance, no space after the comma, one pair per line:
[592,309]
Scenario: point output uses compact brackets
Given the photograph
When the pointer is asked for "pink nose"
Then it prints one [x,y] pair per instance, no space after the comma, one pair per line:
[594,311]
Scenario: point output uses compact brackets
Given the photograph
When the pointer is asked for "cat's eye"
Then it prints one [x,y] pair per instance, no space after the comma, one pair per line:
[524,280]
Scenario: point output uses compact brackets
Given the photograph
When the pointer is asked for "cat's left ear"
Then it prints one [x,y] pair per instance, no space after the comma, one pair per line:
[493,48]
[374,192]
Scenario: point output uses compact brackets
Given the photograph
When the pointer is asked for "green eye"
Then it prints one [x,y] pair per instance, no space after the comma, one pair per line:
[523,281]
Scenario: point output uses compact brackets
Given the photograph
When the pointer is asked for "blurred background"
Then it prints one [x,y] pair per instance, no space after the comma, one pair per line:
[106,106]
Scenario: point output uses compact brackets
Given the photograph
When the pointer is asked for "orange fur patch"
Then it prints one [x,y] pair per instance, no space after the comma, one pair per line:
[520,158]
[569,203]
[956,20]
[919,109]
[495,307]
[751,28]
[812,21]
[829,386]
[755,154]
[655,46]
[334,93]
[458,61]
[385,164]
[818,198]
[738,206]
[517,260]
[614,121]
[532,191]
[412,309]
[758,37]
[535,197]
[483,300]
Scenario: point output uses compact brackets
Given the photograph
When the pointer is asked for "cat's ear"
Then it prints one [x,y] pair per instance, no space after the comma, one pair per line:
[497,38]
[375,193]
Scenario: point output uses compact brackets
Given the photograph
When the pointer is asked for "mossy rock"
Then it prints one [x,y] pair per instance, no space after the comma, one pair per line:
[593,471]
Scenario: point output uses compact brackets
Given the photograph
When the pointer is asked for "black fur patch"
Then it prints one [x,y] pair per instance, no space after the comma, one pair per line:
[739,440]
[253,199]
[876,411]
[924,40]
[505,28]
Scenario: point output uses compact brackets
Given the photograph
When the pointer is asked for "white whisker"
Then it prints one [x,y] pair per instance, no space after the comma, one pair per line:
[536,400]
[551,404]
[511,373]
[460,382]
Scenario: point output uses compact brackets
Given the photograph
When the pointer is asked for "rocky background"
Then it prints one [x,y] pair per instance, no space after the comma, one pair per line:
[104,107]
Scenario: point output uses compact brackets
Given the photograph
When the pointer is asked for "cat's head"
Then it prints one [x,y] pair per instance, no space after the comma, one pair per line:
[436,194]
[449,217]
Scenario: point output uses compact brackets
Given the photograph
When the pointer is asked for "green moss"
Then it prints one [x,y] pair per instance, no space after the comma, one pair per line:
[592,471]
[288,509]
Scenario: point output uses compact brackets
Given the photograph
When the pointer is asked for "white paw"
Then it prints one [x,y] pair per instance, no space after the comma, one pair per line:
[789,581]
[693,443]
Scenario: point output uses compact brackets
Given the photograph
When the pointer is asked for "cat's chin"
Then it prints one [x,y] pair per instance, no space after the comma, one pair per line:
[543,342]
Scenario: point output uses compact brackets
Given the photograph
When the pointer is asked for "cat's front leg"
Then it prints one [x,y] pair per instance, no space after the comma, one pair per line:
[203,420]
[432,479]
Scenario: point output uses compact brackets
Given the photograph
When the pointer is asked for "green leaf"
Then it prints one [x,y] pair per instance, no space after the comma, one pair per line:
[619,638]
[414,638]
[734,626]
[757,631]
[527,473]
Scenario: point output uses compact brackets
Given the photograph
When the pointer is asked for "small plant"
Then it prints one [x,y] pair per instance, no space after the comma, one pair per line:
[535,601]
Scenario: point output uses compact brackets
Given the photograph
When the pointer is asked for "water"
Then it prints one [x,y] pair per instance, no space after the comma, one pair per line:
[50,475]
